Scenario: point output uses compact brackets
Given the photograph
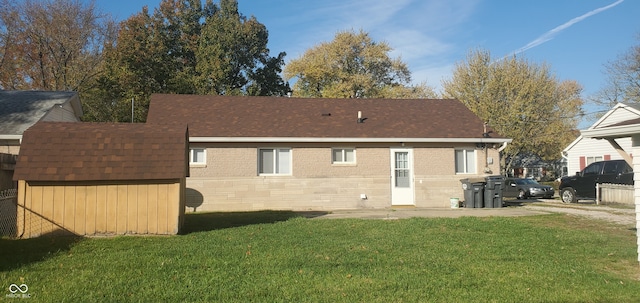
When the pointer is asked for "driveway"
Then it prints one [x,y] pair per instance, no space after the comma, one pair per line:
[401,213]
[624,215]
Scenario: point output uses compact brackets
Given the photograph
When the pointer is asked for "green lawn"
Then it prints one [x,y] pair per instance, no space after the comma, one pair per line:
[281,257]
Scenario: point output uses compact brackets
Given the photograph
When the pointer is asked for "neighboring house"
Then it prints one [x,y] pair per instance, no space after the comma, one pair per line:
[254,153]
[623,129]
[584,151]
[101,179]
[19,110]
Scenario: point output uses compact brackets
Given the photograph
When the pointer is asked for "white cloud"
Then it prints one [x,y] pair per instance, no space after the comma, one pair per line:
[421,32]
[552,33]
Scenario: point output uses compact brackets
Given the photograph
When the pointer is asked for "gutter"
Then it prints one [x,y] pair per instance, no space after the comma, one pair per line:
[11,137]
[502,141]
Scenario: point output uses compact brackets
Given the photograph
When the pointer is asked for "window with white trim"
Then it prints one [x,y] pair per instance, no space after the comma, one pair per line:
[593,159]
[198,156]
[343,156]
[274,161]
[465,161]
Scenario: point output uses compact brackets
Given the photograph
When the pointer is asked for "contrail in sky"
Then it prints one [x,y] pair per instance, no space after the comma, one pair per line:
[550,34]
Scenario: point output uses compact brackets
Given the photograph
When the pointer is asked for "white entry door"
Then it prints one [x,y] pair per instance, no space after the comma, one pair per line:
[402,176]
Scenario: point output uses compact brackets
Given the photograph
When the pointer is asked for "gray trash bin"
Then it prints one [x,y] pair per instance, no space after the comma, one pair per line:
[493,191]
[473,192]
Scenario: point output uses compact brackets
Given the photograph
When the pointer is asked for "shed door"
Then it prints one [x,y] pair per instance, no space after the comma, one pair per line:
[402,176]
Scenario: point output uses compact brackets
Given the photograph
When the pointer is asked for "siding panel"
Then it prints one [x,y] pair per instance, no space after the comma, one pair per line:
[132,209]
[162,208]
[111,202]
[101,209]
[80,205]
[58,204]
[86,209]
[143,209]
[152,202]
[91,207]
[69,207]
[122,211]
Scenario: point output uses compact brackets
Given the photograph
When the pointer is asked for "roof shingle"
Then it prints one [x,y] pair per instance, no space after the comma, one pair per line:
[233,116]
[68,151]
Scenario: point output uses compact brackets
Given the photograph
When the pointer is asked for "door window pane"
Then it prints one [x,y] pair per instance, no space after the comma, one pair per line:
[402,169]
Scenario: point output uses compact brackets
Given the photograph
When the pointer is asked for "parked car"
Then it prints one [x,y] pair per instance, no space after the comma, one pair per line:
[583,183]
[522,188]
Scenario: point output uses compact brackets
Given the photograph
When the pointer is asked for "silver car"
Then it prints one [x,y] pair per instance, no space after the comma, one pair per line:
[522,188]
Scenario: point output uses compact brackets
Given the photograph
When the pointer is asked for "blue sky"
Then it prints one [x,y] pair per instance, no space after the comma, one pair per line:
[575,37]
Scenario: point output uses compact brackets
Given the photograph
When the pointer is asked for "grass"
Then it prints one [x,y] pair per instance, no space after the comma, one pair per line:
[284,257]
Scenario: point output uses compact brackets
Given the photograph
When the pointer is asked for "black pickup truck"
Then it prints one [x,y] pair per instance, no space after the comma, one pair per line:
[583,183]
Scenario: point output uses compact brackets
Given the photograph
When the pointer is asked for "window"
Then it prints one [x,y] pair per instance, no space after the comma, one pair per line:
[197,156]
[593,159]
[343,156]
[274,161]
[593,169]
[465,161]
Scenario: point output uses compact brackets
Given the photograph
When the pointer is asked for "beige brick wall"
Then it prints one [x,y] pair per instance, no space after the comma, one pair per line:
[230,182]
[228,162]
[316,162]
[286,193]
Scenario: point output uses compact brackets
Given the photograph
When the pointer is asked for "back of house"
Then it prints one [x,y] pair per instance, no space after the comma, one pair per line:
[256,153]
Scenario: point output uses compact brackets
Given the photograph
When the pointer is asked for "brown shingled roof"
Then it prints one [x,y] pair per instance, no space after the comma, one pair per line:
[233,116]
[60,151]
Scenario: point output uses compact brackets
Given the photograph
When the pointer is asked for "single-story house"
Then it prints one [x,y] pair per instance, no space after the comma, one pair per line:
[255,153]
[585,150]
[19,110]
[628,129]
[101,179]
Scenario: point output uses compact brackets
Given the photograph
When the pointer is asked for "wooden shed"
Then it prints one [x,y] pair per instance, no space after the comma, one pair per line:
[101,179]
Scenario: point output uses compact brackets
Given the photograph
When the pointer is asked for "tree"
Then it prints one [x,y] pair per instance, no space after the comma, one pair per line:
[52,44]
[520,100]
[623,80]
[352,66]
[174,51]
[233,58]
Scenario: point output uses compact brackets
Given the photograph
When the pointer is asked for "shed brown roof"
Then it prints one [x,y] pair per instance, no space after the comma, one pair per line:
[235,116]
[68,151]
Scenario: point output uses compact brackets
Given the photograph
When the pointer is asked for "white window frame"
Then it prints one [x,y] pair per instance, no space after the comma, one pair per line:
[276,161]
[343,160]
[192,154]
[465,158]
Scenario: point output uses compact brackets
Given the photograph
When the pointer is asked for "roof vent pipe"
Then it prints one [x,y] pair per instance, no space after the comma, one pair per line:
[360,119]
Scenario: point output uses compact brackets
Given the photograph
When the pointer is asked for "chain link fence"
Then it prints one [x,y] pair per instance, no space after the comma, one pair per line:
[8,213]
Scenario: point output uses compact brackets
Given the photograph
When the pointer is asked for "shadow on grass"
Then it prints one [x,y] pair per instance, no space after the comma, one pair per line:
[20,252]
[197,222]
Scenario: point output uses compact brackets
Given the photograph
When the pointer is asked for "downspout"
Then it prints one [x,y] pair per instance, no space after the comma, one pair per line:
[501,148]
